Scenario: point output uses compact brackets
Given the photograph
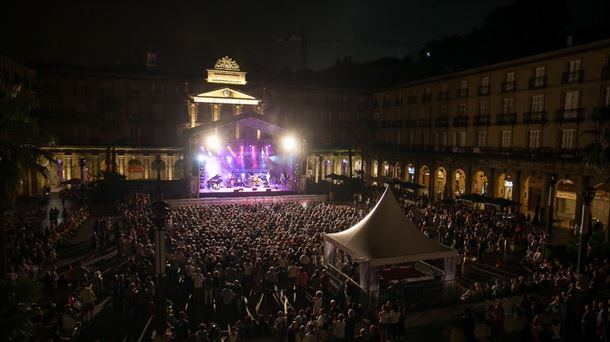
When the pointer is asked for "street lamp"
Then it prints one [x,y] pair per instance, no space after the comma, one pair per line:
[551,199]
[585,228]
[82,162]
[160,212]
[157,164]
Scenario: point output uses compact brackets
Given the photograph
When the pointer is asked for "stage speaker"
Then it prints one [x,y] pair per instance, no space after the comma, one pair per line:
[253,188]
[268,189]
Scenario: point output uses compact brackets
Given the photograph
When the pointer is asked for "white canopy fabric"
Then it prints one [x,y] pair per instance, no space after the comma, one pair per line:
[386,236]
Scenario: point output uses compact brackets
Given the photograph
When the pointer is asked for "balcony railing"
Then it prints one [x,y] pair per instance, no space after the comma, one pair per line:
[441,122]
[407,123]
[443,95]
[133,93]
[482,120]
[461,92]
[606,72]
[426,98]
[483,90]
[569,115]
[534,117]
[508,86]
[475,151]
[572,77]
[412,99]
[537,82]
[460,121]
[424,123]
[506,119]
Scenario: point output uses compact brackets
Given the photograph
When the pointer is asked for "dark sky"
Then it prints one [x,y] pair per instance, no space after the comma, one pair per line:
[189,35]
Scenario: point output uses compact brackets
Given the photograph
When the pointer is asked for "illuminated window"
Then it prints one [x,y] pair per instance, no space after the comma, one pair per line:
[537,103]
[567,138]
[534,139]
[482,138]
[506,139]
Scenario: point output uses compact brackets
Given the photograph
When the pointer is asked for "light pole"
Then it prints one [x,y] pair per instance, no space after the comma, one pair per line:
[82,162]
[585,229]
[158,165]
[549,211]
[160,212]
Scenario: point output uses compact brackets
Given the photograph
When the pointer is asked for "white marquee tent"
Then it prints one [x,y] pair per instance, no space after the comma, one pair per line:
[384,237]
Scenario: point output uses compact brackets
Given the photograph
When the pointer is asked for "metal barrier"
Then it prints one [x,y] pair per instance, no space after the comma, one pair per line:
[246,200]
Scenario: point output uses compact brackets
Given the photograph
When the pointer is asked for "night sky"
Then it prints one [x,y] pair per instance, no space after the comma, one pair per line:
[189,35]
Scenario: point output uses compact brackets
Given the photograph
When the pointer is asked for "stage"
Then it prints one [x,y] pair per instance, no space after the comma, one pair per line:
[245,192]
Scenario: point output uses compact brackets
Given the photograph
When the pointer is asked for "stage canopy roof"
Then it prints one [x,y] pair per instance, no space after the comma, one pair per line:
[386,236]
[248,119]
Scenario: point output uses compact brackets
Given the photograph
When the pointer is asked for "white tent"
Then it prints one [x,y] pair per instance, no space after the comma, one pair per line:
[386,236]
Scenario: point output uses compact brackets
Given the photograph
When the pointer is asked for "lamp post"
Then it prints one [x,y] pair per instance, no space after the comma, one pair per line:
[82,163]
[549,211]
[160,212]
[585,229]
[158,165]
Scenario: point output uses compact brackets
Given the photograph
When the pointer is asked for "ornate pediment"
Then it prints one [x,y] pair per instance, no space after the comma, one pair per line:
[226,95]
[226,71]
[226,63]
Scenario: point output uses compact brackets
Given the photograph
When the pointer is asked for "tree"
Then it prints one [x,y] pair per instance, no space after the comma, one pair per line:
[17,308]
[21,155]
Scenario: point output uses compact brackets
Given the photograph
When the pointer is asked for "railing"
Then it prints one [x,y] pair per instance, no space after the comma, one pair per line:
[483,90]
[426,98]
[409,123]
[569,115]
[461,93]
[443,95]
[411,99]
[482,120]
[534,117]
[133,93]
[572,77]
[508,86]
[537,82]
[506,119]
[441,122]
[460,121]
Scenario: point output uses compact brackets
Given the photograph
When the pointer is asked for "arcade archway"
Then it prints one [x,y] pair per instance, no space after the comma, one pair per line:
[440,179]
[565,203]
[135,169]
[532,194]
[458,185]
[480,183]
[424,179]
[505,187]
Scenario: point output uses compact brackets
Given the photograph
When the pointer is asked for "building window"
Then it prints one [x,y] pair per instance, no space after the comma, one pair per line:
[80,108]
[506,139]
[132,90]
[463,89]
[132,111]
[459,139]
[571,103]
[567,138]
[606,97]
[574,73]
[157,89]
[462,108]
[482,138]
[484,87]
[534,139]
[134,133]
[107,88]
[443,138]
[483,107]
[157,112]
[464,84]
[537,103]
[80,88]
[442,110]
[509,82]
[508,105]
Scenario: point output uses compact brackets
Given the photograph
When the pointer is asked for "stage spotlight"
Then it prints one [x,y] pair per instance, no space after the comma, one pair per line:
[200,158]
[289,143]
[213,142]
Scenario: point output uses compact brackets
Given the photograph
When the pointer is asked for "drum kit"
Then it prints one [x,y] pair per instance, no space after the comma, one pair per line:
[251,180]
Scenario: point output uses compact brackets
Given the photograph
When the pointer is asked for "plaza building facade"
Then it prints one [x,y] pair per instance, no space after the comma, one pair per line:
[126,117]
[514,130]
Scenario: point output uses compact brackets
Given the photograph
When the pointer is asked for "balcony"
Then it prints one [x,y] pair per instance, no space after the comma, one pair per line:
[534,118]
[506,119]
[460,93]
[483,90]
[606,72]
[481,120]
[409,123]
[600,113]
[441,122]
[460,121]
[443,95]
[572,77]
[80,91]
[412,99]
[508,86]
[569,115]
[426,98]
[133,93]
[424,123]
[537,82]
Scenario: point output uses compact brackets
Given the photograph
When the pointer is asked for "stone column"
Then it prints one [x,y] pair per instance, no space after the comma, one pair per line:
[468,181]
[170,167]
[550,211]
[587,194]
[95,168]
[448,191]
[122,164]
[146,167]
[68,167]
[517,188]
[492,184]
